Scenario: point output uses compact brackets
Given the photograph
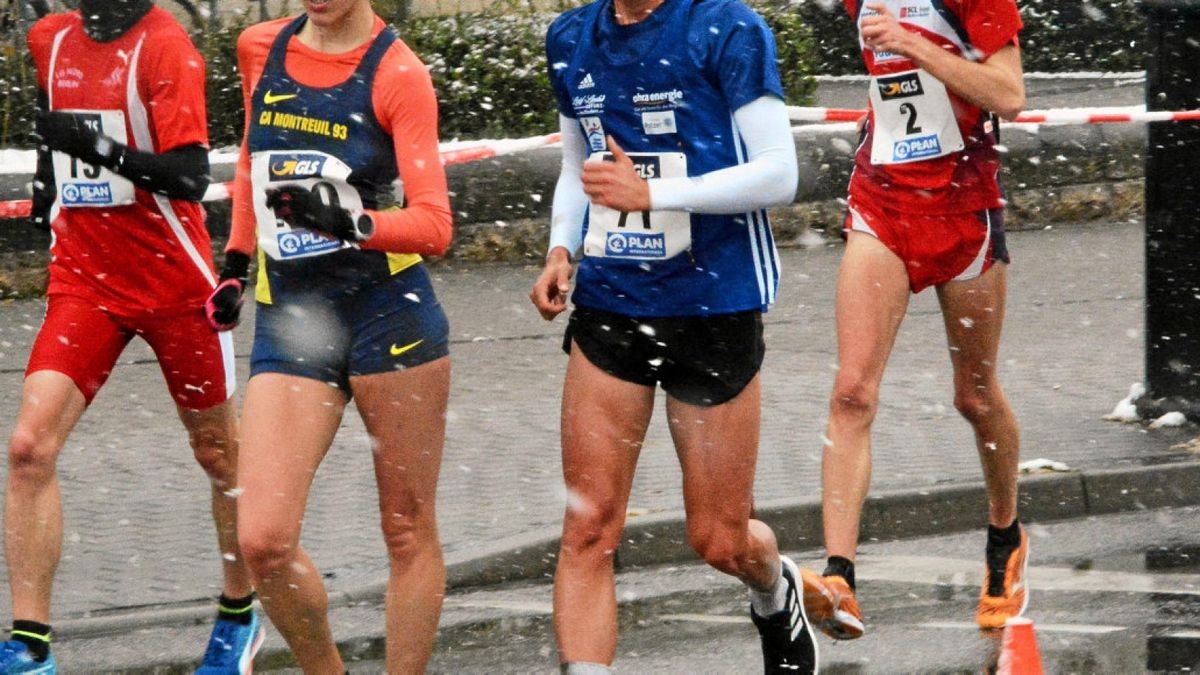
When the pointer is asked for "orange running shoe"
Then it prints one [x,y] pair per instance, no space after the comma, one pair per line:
[1006,597]
[831,606]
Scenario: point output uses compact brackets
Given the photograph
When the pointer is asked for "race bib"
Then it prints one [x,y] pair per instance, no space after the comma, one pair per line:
[641,235]
[323,174]
[83,185]
[914,120]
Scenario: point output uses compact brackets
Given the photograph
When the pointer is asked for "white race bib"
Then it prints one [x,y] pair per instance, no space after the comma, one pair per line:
[642,235]
[83,185]
[914,120]
[323,174]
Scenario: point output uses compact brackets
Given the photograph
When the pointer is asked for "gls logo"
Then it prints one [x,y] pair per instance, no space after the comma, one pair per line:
[899,86]
[292,167]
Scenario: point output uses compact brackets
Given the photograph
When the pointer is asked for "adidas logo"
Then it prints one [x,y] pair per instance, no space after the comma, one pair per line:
[587,82]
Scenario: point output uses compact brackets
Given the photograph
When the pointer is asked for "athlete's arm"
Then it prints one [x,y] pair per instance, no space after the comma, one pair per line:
[181,173]
[767,178]
[995,84]
[406,106]
[550,291]
[253,45]
[570,203]
[44,190]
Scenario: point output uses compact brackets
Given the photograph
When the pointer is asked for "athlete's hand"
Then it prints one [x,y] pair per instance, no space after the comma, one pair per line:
[616,184]
[550,291]
[882,32]
[299,207]
[224,305]
[67,132]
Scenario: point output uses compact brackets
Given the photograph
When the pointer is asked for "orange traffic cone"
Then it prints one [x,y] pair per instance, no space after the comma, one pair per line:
[1019,650]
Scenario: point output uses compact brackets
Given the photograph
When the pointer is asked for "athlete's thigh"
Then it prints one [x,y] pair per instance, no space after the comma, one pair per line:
[80,341]
[717,448]
[872,298]
[604,422]
[396,324]
[973,312]
[405,414]
[196,361]
[213,426]
[51,405]
[288,423]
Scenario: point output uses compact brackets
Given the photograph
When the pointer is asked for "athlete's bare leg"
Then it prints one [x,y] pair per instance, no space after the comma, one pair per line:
[718,451]
[604,422]
[405,413]
[288,424]
[973,312]
[872,297]
[213,437]
[51,405]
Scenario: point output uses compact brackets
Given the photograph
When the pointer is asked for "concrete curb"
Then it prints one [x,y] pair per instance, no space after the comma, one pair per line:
[661,538]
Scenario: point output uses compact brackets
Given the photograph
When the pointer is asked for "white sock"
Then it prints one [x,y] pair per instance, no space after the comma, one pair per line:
[585,668]
[773,600]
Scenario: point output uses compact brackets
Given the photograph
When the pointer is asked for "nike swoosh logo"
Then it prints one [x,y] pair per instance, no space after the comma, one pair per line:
[270,98]
[397,351]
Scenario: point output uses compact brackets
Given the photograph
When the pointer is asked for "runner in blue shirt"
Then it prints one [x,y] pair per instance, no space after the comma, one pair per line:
[675,140]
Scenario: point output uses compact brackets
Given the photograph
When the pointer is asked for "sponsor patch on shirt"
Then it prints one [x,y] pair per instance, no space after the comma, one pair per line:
[661,122]
[636,245]
[915,148]
[295,243]
[593,130]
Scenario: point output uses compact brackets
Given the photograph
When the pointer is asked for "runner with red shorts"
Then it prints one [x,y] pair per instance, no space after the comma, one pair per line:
[925,209]
[122,110]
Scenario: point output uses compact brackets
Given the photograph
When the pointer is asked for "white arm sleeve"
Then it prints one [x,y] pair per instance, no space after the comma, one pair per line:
[566,212]
[768,178]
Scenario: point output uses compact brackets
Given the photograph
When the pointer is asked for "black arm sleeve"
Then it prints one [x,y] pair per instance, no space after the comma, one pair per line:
[44,191]
[181,173]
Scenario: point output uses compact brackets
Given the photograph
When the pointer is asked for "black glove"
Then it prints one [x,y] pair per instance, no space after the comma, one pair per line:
[67,132]
[224,305]
[299,207]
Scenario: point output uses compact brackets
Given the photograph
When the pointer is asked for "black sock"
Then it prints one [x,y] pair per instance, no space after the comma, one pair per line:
[35,635]
[235,609]
[837,566]
[1009,537]
[1000,545]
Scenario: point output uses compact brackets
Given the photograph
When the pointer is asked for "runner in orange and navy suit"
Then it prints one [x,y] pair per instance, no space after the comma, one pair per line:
[338,109]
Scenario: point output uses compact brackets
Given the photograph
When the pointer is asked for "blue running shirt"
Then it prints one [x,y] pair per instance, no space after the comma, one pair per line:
[669,85]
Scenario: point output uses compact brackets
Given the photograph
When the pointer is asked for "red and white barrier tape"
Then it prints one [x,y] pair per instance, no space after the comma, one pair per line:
[1135,113]
[451,153]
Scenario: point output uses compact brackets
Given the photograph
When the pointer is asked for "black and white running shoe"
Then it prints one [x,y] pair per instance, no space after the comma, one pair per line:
[788,643]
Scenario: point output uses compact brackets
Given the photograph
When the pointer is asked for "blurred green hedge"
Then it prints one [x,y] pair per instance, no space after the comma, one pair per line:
[490,74]
[489,71]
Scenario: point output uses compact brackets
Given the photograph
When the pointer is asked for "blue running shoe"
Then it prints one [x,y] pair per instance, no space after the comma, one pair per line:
[232,647]
[16,658]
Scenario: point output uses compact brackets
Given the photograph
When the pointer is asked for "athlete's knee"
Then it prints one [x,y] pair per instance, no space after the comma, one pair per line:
[31,455]
[216,452]
[592,529]
[721,545]
[407,537]
[978,403]
[854,396]
[266,552]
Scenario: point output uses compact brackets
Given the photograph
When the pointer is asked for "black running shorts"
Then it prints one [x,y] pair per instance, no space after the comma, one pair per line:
[701,360]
